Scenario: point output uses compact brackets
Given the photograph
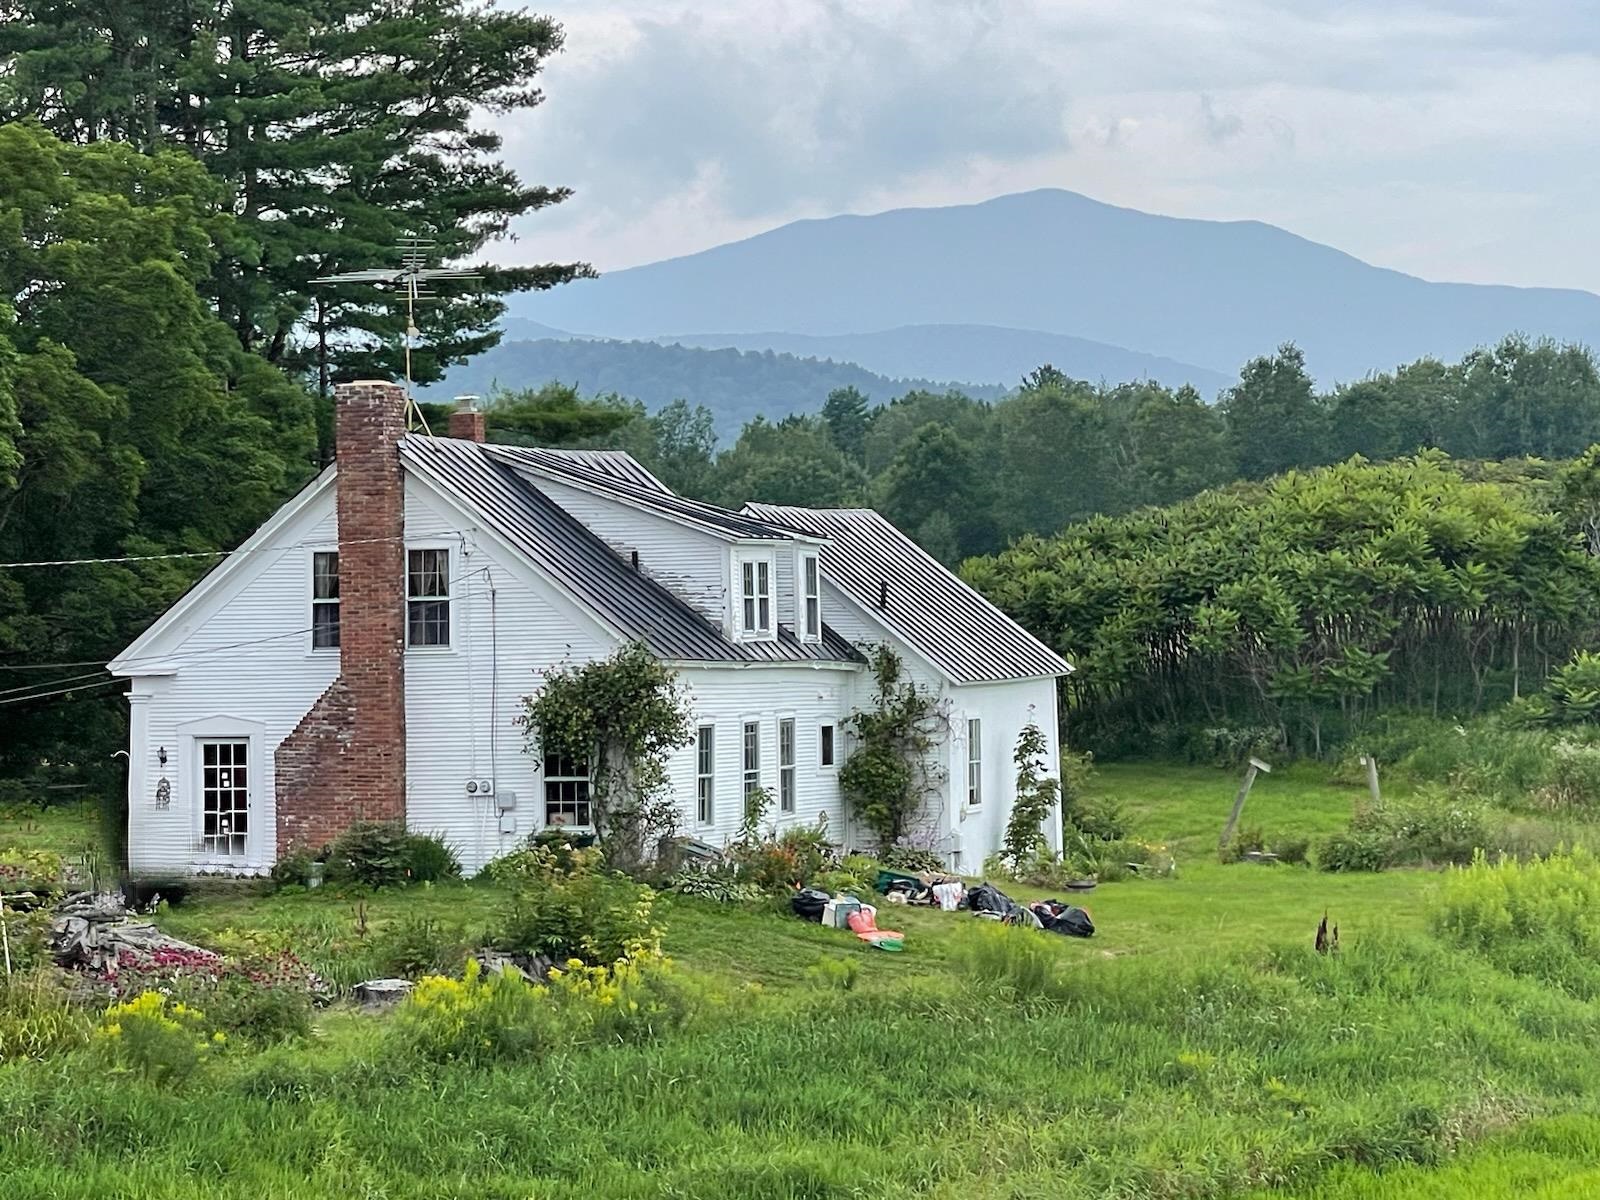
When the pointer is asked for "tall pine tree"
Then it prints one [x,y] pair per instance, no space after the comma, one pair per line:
[337,128]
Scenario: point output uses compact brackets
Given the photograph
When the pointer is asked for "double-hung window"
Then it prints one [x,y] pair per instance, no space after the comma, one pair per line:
[974,762]
[752,760]
[755,597]
[705,774]
[325,600]
[810,599]
[786,765]
[428,598]
[566,792]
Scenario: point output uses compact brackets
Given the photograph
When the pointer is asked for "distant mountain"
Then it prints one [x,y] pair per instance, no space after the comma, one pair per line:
[976,352]
[1210,293]
[735,385]
[519,330]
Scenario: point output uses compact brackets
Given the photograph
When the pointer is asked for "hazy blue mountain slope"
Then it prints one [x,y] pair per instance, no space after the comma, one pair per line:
[735,385]
[1204,292]
[976,352]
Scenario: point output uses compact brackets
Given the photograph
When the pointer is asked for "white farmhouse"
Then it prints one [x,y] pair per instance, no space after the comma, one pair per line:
[365,653]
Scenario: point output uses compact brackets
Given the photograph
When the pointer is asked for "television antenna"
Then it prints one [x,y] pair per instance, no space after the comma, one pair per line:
[415,276]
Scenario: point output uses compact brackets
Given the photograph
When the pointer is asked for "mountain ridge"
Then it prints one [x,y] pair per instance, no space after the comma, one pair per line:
[1208,293]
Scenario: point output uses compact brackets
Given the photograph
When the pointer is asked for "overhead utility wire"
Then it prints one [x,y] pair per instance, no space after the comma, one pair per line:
[133,558]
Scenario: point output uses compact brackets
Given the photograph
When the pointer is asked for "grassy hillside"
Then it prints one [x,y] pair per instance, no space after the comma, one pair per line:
[1196,1047]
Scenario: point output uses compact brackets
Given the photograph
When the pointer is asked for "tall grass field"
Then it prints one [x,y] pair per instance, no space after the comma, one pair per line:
[1198,1046]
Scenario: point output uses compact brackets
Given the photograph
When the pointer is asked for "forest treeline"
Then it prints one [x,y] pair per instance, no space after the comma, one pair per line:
[966,477]
[1307,603]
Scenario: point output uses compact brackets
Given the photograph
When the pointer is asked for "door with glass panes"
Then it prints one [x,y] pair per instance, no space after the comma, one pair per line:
[225,798]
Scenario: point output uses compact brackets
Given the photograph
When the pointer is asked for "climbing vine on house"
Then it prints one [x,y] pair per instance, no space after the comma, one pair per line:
[1037,794]
[624,716]
[892,769]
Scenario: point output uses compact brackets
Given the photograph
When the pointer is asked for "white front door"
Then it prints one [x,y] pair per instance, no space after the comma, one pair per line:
[225,798]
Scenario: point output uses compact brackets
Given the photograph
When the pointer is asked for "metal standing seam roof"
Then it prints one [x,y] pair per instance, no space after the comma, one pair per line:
[630,600]
[613,464]
[613,481]
[936,614]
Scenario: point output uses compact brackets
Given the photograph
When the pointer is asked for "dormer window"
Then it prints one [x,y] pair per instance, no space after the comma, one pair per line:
[810,599]
[755,598]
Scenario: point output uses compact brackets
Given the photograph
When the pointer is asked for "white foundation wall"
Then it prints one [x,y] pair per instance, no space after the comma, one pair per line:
[464,704]
[225,690]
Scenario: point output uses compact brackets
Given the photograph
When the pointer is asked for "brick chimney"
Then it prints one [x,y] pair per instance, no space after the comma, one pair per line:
[346,760]
[466,420]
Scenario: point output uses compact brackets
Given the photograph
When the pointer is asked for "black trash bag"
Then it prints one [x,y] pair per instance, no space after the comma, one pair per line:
[986,898]
[808,904]
[1062,918]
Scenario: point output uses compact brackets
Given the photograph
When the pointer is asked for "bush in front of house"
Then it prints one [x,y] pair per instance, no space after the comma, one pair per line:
[543,858]
[380,854]
[595,919]
[423,946]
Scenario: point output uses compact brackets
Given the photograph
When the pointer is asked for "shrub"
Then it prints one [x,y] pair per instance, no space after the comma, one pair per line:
[385,854]
[629,1000]
[166,1043]
[1355,851]
[709,882]
[1230,746]
[37,1016]
[479,1018]
[1431,827]
[422,946]
[293,869]
[1294,850]
[596,919]
[785,862]
[914,859]
[29,870]
[1540,918]
[1574,776]
[1099,817]
[543,859]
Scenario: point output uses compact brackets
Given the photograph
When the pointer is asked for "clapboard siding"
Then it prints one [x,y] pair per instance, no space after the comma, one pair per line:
[463,705]
[225,689]
[728,698]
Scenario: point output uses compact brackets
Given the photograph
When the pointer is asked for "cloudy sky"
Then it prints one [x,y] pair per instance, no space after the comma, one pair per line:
[1454,139]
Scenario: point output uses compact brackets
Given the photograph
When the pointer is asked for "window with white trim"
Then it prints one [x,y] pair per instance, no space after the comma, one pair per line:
[705,774]
[428,598]
[755,598]
[974,762]
[566,793]
[786,777]
[225,798]
[827,745]
[752,759]
[325,600]
[810,599]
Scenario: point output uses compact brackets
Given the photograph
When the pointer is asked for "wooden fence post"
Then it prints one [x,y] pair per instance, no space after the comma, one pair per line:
[1255,766]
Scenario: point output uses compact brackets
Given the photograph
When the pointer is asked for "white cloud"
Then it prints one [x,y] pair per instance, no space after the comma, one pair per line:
[1451,138]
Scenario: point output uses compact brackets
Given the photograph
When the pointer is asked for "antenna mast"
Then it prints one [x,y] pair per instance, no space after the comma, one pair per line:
[415,276]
